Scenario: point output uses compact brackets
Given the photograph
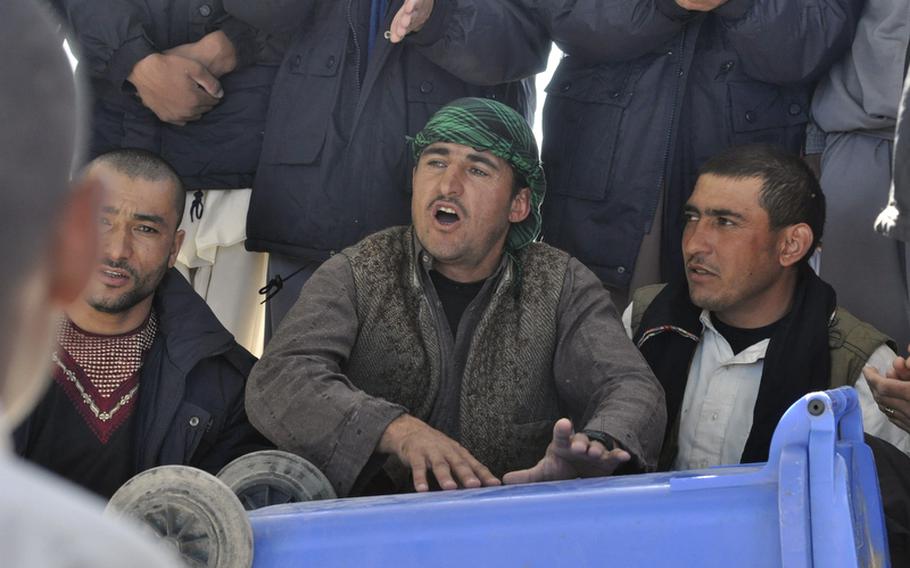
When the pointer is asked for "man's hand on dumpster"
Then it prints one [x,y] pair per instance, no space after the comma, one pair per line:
[424,448]
[892,391]
[568,456]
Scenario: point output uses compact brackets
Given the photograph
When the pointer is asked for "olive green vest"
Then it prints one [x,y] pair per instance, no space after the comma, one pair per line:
[850,340]
[508,401]
[851,343]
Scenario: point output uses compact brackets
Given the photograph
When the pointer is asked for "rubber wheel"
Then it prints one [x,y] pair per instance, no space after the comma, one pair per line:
[273,477]
[192,511]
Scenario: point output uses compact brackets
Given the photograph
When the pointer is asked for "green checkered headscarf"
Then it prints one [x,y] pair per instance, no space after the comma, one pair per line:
[484,124]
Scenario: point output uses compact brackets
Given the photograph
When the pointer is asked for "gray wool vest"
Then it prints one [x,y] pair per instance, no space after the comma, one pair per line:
[508,401]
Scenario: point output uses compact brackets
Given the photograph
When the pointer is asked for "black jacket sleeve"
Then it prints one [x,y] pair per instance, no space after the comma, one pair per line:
[483,42]
[270,16]
[790,41]
[110,37]
[609,32]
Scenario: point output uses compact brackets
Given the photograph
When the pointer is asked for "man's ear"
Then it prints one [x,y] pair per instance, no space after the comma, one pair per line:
[521,206]
[175,247]
[74,243]
[795,243]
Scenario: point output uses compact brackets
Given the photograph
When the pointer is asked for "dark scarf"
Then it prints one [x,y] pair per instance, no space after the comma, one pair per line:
[797,360]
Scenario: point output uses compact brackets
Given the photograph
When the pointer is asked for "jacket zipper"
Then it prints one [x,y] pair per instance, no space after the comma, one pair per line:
[669,138]
[356,45]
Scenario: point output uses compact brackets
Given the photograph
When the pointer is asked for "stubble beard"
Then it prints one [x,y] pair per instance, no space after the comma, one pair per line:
[145,287]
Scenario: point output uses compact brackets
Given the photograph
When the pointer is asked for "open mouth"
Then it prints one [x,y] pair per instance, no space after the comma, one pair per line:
[446,215]
[113,275]
[698,270]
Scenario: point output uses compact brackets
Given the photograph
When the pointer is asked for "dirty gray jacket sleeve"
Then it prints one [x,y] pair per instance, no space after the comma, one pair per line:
[297,394]
[894,221]
[601,377]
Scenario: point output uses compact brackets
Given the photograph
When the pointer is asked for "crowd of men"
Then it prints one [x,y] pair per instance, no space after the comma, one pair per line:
[443,299]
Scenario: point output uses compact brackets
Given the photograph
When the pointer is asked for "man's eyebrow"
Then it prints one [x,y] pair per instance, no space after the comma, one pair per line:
[146,217]
[483,159]
[723,213]
[437,150]
[149,218]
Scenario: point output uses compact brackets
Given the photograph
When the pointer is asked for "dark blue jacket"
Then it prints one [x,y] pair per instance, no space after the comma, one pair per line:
[649,91]
[191,404]
[335,165]
[219,151]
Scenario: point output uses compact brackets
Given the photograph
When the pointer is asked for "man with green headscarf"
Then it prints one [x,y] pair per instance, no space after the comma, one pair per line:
[457,351]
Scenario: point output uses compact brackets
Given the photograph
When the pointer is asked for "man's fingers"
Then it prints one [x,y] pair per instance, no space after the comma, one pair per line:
[443,473]
[399,27]
[884,387]
[207,81]
[618,456]
[519,476]
[466,476]
[419,473]
[901,369]
[562,434]
[481,472]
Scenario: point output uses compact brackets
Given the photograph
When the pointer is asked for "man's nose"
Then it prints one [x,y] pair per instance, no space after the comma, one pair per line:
[696,239]
[116,243]
[452,182]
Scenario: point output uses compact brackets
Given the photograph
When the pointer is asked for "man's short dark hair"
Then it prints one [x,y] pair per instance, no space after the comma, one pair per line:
[518,182]
[790,193]
[137,163]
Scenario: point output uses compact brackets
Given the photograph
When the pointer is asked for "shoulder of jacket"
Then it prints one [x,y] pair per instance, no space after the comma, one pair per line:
[641,300]
[845,329]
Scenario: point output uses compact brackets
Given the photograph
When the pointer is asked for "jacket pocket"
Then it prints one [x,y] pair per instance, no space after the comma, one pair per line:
[582,120]
[302,102]
[428,88]
[190,426]
[760,112]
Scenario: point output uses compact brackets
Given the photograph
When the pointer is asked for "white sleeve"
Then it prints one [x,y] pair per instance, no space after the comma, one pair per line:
[627,320]
[874,420]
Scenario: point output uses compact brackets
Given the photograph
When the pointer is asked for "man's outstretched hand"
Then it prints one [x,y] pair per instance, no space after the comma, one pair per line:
[423,448]
[568,456]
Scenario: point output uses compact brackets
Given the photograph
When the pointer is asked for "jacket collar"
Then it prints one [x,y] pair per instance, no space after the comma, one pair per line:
[190,330]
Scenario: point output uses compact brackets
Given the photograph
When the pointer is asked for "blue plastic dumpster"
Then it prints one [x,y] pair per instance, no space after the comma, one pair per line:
[815,503]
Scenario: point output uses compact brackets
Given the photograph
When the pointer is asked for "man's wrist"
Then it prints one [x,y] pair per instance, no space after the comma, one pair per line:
[399,428]
[597,436]
[140,69]
[127,58]
[218,53]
